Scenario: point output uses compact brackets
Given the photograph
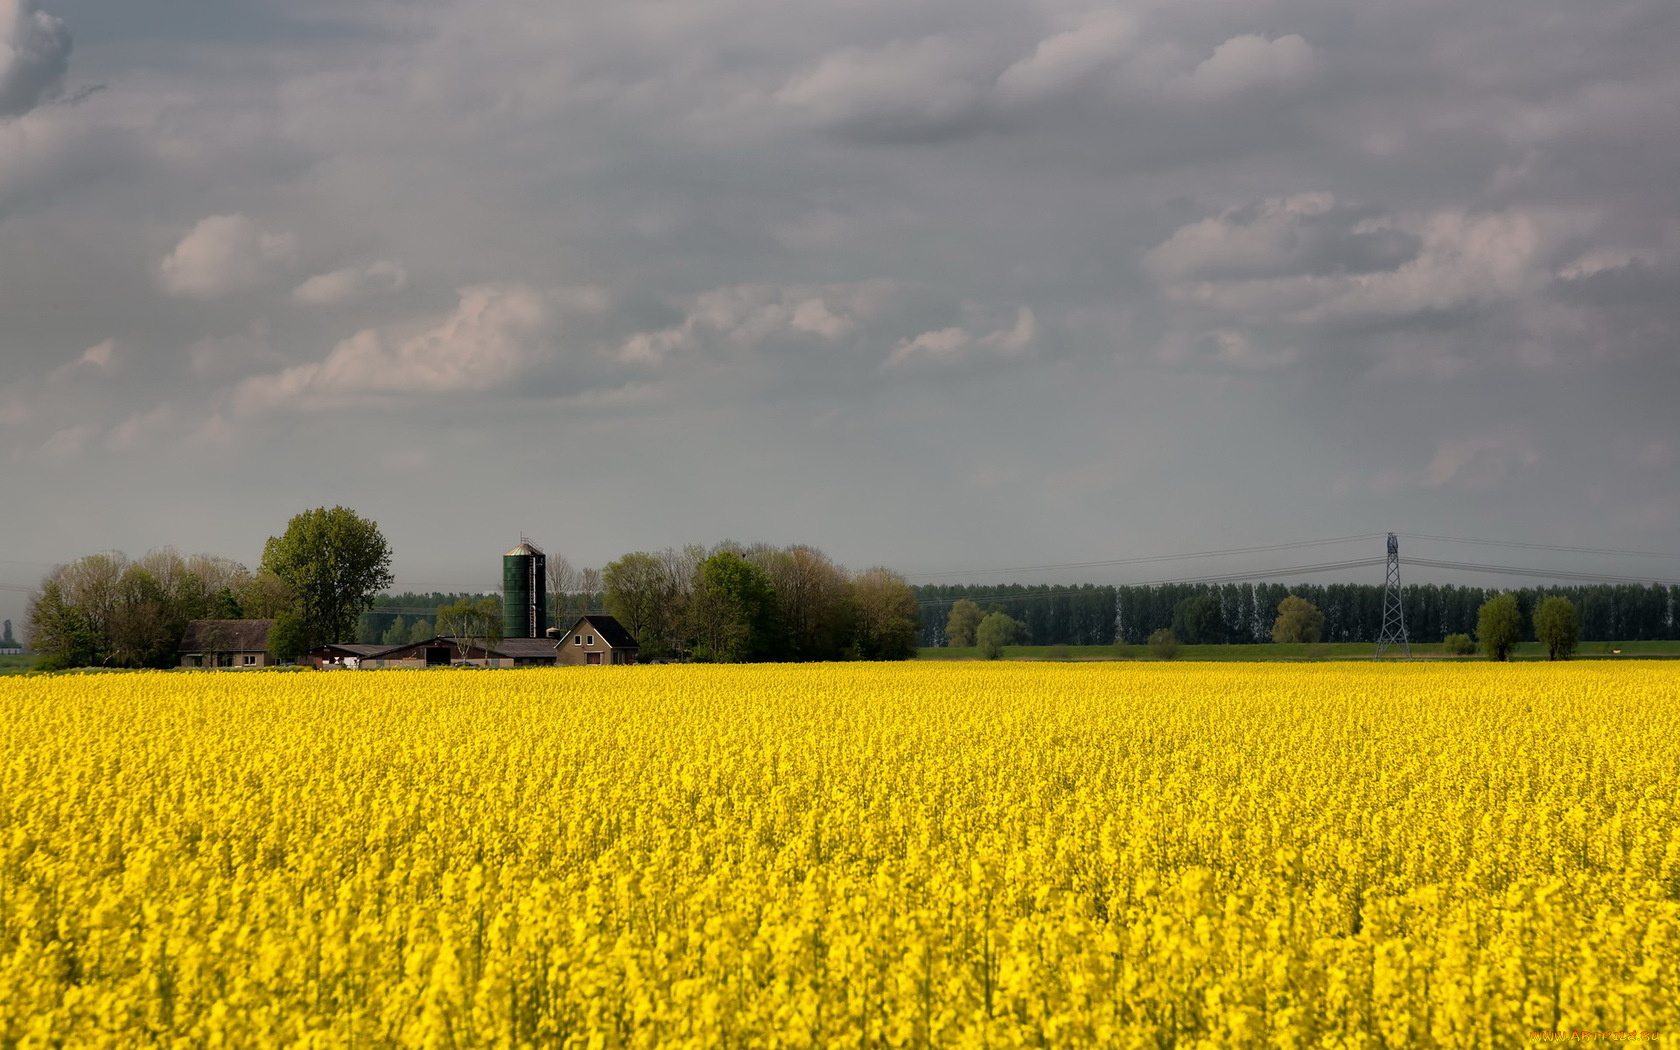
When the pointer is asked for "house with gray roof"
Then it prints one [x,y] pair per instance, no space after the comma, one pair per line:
[226,643]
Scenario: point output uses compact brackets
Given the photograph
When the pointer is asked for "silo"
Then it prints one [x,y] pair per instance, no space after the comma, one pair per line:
[524,593]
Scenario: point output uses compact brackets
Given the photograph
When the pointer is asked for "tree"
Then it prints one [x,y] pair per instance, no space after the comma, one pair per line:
[215,574]
[91,585]
[733,609]
[59,631]
[811,602]
[888,622]
[287,639]
[566,597]
[1458,645]
[638,596]
[1298,621]
[996,631]
[474,623]
[105,609]
[264,597]
[141,631]
[6,639]
[1557,627]
[1499,625]
[334,561]
[224,605]
[960,628]
[421,632]
[396,634]
[1199,620]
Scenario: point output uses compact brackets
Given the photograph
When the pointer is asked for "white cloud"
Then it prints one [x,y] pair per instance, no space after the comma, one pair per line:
[1246,64]
[956,343]
[747,316]
[493,335]
[1067,61]
[1270,274]
[351,283]
[1261,239]
[34,55]
[65,445]
[222,254]
[139,430]
[1479,462]
[1464,257]
[95,360]
[917,89]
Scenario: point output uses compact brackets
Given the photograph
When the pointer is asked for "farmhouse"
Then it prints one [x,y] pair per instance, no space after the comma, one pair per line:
[595,639]
[226,643]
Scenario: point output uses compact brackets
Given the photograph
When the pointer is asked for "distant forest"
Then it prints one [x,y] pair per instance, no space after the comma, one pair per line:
[1093,615]
[1088,614]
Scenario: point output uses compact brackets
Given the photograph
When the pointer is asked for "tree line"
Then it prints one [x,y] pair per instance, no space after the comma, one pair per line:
[737,603]
[1245,613]
[319,581]
[730,602]
[107,610]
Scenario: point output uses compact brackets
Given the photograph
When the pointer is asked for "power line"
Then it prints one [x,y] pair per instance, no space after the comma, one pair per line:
[1223,577]
[1051,591]
[1149,558]
[1232,551]
[1538,546]
[1550,574]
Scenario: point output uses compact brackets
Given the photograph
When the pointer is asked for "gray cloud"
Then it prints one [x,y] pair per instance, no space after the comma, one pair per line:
[34,56]
[936,277]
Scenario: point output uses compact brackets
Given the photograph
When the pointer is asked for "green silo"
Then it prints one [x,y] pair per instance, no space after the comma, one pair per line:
[524,592]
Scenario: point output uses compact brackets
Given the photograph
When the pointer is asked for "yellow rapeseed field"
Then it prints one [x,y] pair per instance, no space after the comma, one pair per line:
[943,855]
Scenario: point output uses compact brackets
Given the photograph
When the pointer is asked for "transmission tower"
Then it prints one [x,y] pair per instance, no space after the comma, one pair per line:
[1394,612]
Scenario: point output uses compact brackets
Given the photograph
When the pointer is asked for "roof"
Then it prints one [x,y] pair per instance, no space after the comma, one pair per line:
[523,548]
[226,636]
[611,631]
[520,648]
[525,648]
[354,648]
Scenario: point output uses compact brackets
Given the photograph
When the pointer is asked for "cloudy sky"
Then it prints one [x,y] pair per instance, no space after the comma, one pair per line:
[947,285]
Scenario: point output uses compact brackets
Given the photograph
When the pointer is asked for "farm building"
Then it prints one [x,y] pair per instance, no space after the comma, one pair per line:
[226,643]
[595,639]
[442,651]
[342,655]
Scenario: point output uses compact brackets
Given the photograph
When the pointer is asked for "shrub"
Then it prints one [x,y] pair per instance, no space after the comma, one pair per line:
[996,631]
[1163,644]
[1458,645]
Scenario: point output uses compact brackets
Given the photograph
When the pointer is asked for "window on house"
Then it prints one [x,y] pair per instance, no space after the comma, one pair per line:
[249,659]
[577,639]
[591,639]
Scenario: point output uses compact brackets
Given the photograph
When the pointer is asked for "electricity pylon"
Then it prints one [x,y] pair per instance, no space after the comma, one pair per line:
[1394,612]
